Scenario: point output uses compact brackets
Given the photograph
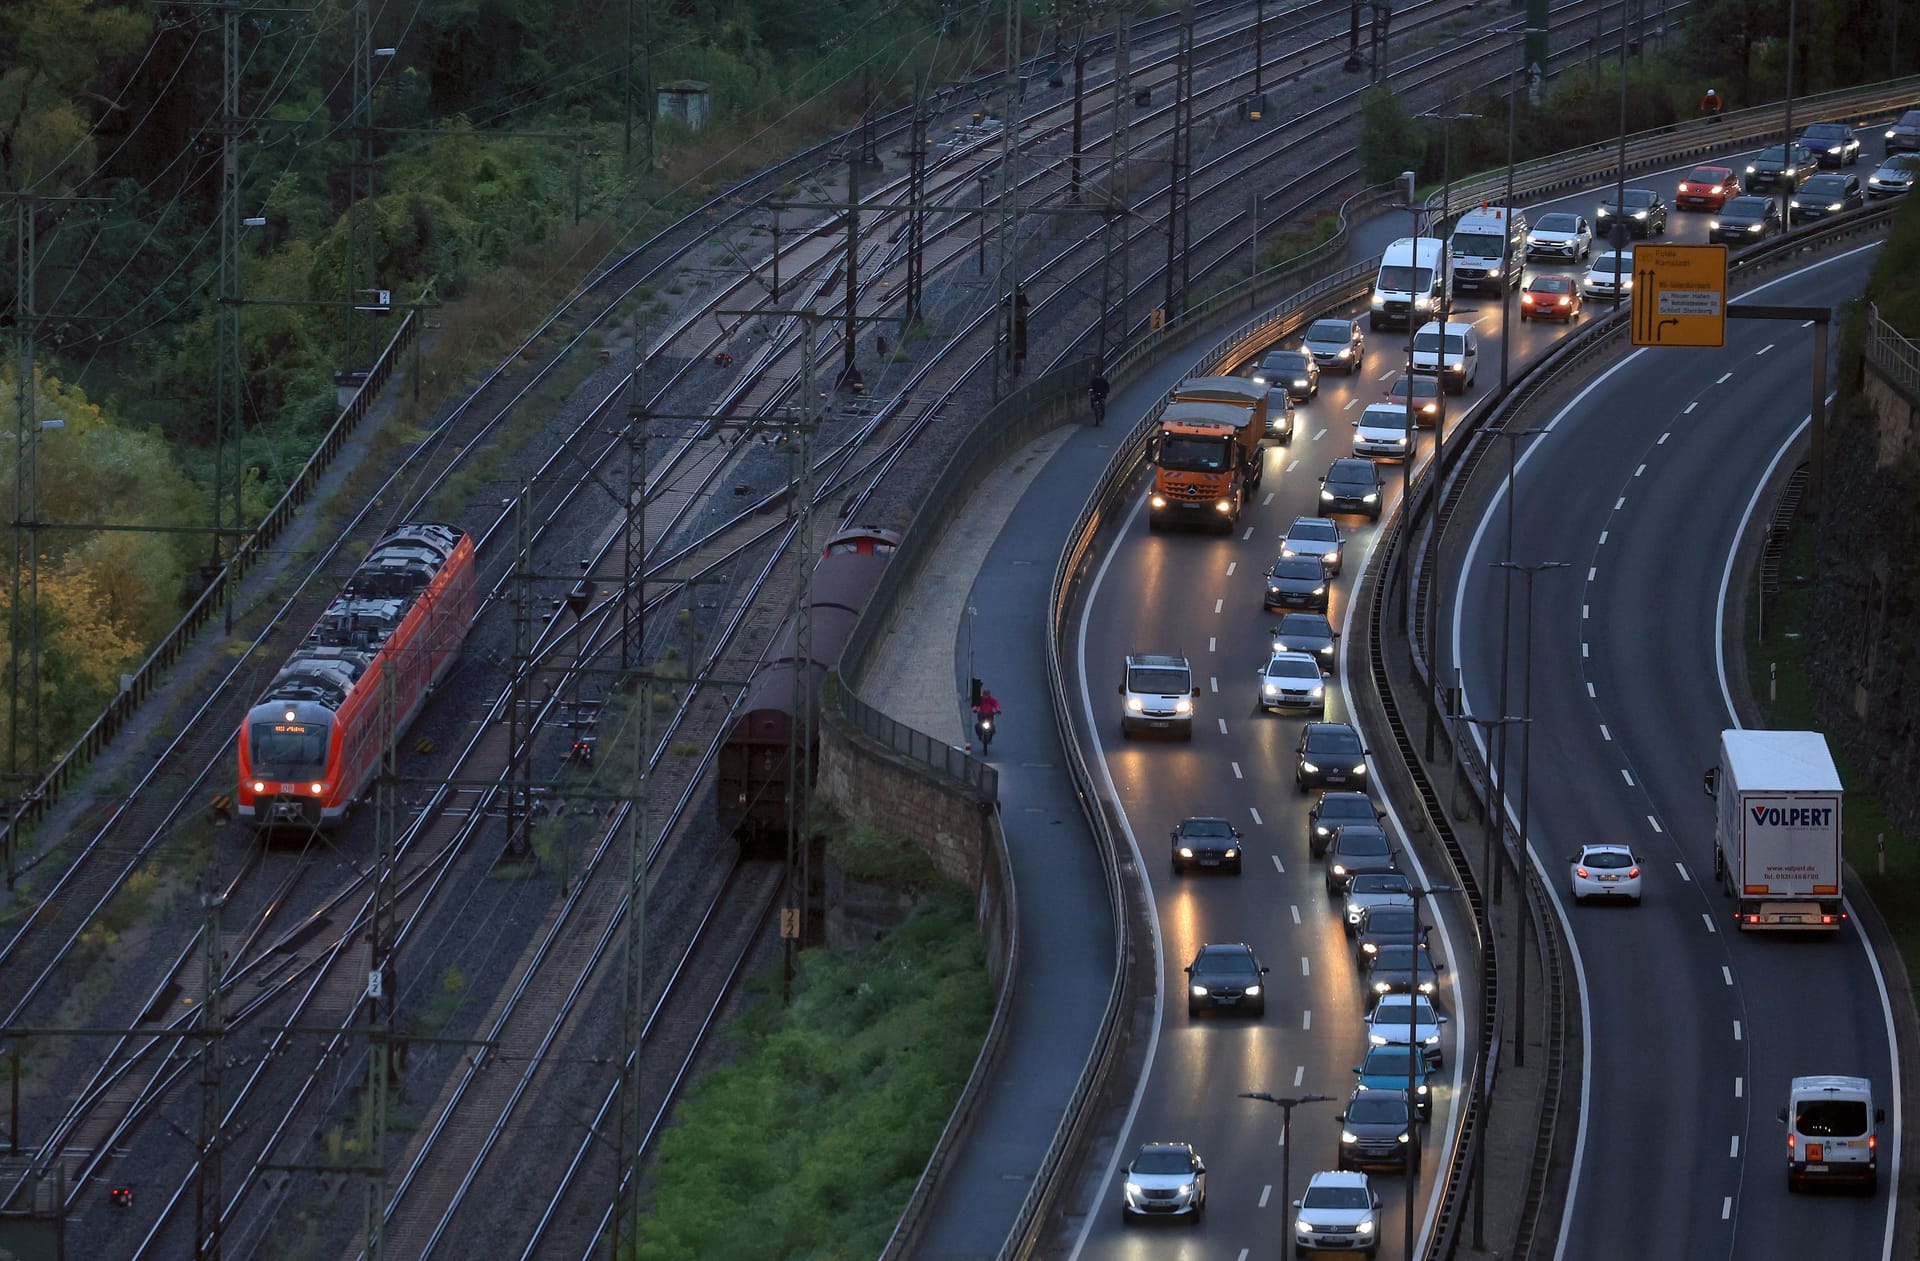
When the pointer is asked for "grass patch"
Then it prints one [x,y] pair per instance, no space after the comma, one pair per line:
[1778,674]
[446,1000]
[808,1145]
[867,853]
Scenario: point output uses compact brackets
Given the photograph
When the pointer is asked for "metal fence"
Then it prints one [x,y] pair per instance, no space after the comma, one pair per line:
[918,745]
[1896,357]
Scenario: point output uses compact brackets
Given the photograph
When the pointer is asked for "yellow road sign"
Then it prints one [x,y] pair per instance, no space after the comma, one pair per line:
[1680,295]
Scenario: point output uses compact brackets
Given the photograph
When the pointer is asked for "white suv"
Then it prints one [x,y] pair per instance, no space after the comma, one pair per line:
[1339,1212]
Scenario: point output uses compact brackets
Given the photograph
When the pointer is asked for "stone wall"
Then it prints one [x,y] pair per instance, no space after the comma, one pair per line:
[875,786]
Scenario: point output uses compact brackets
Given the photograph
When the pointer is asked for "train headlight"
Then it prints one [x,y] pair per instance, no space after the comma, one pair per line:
[317,788]
[259,786]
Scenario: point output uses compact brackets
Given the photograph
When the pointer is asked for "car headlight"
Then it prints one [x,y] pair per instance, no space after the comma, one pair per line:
[1750,171]
[1360,769]
[1370,948]
[1426,987]
[1232,853]
[1424,302]
[1133,1189]
[1183,706]
[1318,691]
[1713,225]
[1252,991]
[1299,383]
[1223,505]
[1433,1040]
[1302,1223]
[1330,558]
[1889,135]
[1135,704]
[1339,869]
[1364,1228]
[1421,1089]
[1794,203]
[1159,501]
[317,788]
[1461,366]
[1271,688]
[1404,1138]
[1789,172]
[1379,301]
[1626,282]
[1273,591]
[1370,498]
[1287,553]
[1639,214]
[1755,227]
[1186,851]
[1377,1039]
[1381,987]
[1833,151]
[1186,1188]
[1259,378]
[1321,589]
[1311,769]
[1199,991]
[1348,1136]
[1346,352]
[1834,206]
[1325,493]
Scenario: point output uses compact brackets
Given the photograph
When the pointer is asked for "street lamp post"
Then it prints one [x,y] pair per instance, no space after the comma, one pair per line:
[1416,1054]
[1786,141]
[1523,911]
[1496,813]
[1506,292]
[1286,1104]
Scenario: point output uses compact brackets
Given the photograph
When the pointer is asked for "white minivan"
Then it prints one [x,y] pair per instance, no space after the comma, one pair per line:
[1488,243]
[1830,1135]
[1450,352]
[1408,286]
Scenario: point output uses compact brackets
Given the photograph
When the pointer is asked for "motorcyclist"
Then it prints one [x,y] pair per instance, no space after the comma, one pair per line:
[1097,391]
[986,713]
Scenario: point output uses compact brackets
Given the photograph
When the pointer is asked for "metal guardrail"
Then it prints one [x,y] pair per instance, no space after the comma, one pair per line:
[1896,357]
[148,677]
[936,755]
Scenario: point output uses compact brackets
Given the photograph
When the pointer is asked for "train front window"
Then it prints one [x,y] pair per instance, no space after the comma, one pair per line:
[289,751]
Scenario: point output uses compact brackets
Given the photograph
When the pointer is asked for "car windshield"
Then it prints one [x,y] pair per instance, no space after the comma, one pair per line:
[1707,175]
[1194,454]
[1391,919]
[1162,681]
[1391,1061]
[1396,1009]
[1335,1198]
[1206,827]
[1298,567]
[1395,958]
[1333,740]
[1374,1108]
[1747,207]
[1825,186]
[1362,842]
[1285,361]
[1384,418]
[1314,530]
[1909,119]
[1831,1118]
[1903,164]
[1456,344]
[1606,263]
[1641,198]
[1771,157]
[1551,284]
[1402,279]
[1608,858]
[1162,1160]
[1423,387]
[1558,223]
[1330,331]
[1478,244]
[1285,668]
[1219,961]
[1824,131]
[1305,624]
[289,750]
[1380,884]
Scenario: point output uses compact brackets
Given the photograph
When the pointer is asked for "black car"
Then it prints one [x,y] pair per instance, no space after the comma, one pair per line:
[1310,633]
[1904,136]
[1225,976]
[1378,1131]
[1351,485]
[1397,968]
[1358,849]
[1297,581]
[1745,220]
[1292,370]
[1389,925]
[1779,168]
[1365,892]
[1280,416]
[1336,345]
[1825,195]
[1334,810]
[1832,144]
[1206,842]
[1646,214]
[1329,753]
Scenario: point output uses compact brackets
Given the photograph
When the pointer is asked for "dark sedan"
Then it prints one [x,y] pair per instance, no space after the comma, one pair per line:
[1291,370]
[1645,214]
[1825,195]
[1299,581]
[1397,968]
[1225,976]
[1333,811]
[1351,485]
[1329,753]
[1745,220]
[1310,633]
[1832,144]
[1206,842]
[1387,925]
[1779,168]
[1358,849]
[1550,298]
[1378,1131]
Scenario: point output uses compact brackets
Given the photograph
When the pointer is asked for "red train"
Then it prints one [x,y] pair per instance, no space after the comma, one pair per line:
[750,779]
[311,743]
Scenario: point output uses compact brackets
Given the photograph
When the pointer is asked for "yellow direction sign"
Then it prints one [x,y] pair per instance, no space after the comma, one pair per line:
[1680,295]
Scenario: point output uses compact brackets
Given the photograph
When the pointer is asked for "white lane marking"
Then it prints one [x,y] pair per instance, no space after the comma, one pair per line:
[1666,435]
[1733,1151]
[1763,350]
[1276,864]
[1655,822]
[1590,691]
[1264,1193]
[1724,378]
[1236,771]
[1292,465]
[1623,770]
[1299,1074]
[1321,434]
[1690,407]
[1586,611]
[1637,472]
[1267,500]
[1726,973]
[1305,970]
[1296,913]
[1603,538]
[1306,1020]
[1736,1031]
[1726,1208]
[1351,404]
[1256,815]
[1684,875]
[1243,1254]
[1586,649]
[1739,1086]
[1387,375]
[1620,503]
[1604,733]
[1218,605]
[1708,921]
[1234,564]
[1223,726]
[1807,324]
[1247,535]
[1213,682]
[1591,571]
[1213,643]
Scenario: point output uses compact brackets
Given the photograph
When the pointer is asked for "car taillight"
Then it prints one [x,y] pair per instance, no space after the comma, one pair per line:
[1826,919]
[1753,919]
[1873,1142]
[1580,872]
[1633,873]
[1791,1144]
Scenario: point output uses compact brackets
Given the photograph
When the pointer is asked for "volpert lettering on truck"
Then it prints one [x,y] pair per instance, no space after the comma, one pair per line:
[1793,816]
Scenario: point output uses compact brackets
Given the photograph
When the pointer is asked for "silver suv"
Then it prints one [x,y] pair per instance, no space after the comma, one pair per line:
[1157,695]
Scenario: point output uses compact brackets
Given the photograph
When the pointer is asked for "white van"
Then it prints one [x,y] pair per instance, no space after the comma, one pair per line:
[1450,352]
[1408,287]
[1477,244]
[1830,1135]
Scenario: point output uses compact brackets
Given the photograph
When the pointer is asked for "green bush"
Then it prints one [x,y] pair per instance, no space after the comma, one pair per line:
[808,1145]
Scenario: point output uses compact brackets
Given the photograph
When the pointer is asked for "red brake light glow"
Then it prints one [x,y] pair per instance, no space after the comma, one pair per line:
[1580,872]
[1633,874]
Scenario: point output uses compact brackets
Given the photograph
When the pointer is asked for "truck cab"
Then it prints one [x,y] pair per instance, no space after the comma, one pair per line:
[1830,1136]
[1206,460]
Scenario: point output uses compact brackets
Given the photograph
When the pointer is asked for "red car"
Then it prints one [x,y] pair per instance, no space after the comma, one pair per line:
[1550,298]
[1426,397]
[1706,188]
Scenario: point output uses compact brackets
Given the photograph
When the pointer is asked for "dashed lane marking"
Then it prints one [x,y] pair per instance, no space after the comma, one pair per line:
[1277,866]
[1213,682]
[1256,815]
[1625,776]
[1642,469]
[1655,822]
[1321,434]
[1736,1031]
[1726,973]
[1724,378]
[1234,564]
[1763,350]
[1299,1074]
[1305,968]
[1733,1149]
[1739,1086]
[1218,605]
[1237,774]
[1604,733]
[1708,921]
[1264,1193]
[1292,465]
[1684,873]
[1223,726]
[1306,1020]
[1296,913]
[1589,691]
[1690,407]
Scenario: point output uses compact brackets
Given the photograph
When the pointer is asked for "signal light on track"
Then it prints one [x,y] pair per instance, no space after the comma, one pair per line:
[122,1197]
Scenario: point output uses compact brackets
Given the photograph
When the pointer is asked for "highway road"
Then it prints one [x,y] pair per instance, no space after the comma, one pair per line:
[1200,595]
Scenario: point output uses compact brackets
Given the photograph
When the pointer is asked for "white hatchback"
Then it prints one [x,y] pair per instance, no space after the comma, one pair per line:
[1600,280]
[1339,1212]
[1605,871]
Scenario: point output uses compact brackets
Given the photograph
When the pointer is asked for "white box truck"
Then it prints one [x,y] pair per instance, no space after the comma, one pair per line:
[1777,831]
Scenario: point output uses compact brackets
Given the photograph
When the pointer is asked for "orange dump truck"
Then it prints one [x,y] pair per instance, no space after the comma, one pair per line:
[1206,456]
